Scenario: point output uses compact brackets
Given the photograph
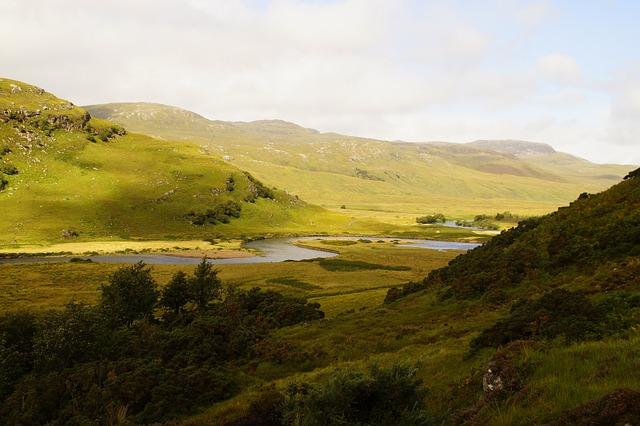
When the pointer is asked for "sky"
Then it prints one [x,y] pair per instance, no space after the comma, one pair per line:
[565,72]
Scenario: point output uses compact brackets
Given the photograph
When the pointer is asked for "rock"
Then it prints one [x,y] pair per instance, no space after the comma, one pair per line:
[492,382]
[70,233]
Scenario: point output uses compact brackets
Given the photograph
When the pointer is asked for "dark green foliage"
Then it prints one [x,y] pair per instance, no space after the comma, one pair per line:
[130,295]
[176,293]
[396,293]
[76,366]
[3,183]
[432,218]
[364,174]
[5,150]
[383,396]
[334,265]
[560,312]
[257,190]
[67,337]
[591,231]
[293,282]
[380,396]
[8,169]
[507,217]
[621,407]
[633,174]
[264,410]
[204,286]
[223,213]
[17,331]
[230,184]
[104,133]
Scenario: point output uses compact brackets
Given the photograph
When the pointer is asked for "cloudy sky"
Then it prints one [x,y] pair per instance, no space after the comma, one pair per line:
[562,72]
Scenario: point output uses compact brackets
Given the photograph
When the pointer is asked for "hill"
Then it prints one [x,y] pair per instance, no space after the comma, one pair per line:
[537,326]
[65,175]
[380,179]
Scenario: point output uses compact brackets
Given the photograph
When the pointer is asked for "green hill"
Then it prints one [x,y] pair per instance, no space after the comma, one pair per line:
[65,175]
[537,326]
[373,178]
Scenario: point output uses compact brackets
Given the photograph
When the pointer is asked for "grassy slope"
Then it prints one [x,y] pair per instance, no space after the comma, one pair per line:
[421,327]
[435,332]
[414,179]
[130,186]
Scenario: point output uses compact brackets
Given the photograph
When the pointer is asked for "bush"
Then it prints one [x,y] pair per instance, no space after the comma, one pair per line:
[130,295]
[382,396]
[222,213]
[80,366]
[433,218]
[561,313]
[3,183]
[8,169]
[257,190]
[230,184]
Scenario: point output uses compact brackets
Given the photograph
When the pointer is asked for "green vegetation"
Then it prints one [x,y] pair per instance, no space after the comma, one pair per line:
[390,182]
[538,325]
[75,172]
[117,361]
[333,265]
[432,218]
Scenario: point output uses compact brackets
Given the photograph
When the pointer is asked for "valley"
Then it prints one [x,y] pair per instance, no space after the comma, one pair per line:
[206,272]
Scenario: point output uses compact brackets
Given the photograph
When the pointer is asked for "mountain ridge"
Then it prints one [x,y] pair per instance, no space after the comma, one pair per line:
[399,179]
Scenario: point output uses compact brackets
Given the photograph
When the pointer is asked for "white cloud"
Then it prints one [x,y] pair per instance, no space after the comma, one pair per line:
[624,116]
[399,69]
[560,68]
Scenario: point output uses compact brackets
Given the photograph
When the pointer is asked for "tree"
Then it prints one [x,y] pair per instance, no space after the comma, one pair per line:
[130,295]
[205,285]
[176,294]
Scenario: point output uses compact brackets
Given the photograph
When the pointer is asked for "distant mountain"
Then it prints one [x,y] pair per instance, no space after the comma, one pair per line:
[378,178]
[65,175]
[515,147]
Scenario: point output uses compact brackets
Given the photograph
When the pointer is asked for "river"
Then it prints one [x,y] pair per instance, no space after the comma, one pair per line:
[269,251]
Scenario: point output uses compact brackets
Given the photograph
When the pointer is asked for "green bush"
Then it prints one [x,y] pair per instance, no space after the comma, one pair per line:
[433,218]
[8,169]
[561,313]
[382,396]
[79,366]
[130,295]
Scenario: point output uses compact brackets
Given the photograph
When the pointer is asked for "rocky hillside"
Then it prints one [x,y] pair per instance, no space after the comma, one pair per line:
[66,175]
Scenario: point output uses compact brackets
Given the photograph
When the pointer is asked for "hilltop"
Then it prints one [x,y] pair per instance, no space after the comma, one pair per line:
[374,178]
[65,175]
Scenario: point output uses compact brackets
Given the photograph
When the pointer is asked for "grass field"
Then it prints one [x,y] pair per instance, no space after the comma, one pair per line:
[52,285]
[374,179]
[359,330]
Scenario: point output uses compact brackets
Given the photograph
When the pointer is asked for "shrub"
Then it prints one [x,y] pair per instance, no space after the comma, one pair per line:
[8,169]
[382,396]
[221,213]
[176,293]
[230,184]
[204,286]
[560,312]
[257,190]
[130,295]
[433,218]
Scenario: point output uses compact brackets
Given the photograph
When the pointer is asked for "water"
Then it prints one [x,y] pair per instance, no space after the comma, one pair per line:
[271,250]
